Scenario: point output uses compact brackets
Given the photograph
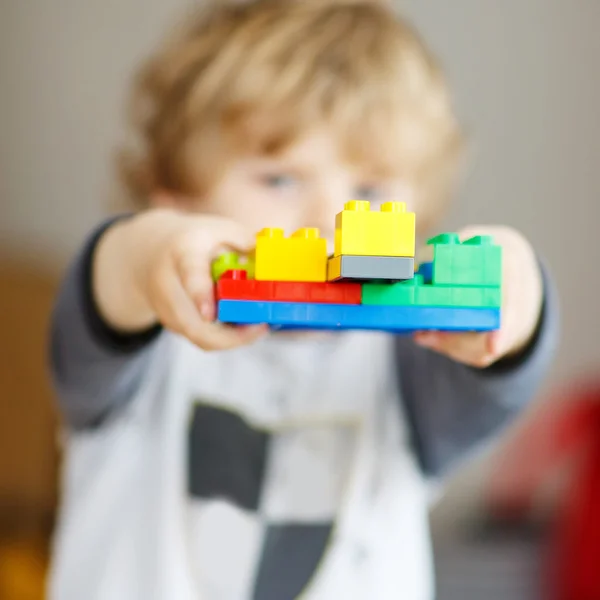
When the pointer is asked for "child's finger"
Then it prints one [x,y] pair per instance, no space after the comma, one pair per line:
[193,291]
[175,307]
[191,259]
[187,320]
[217,336]
[475,349]
[229,234]
[194,275]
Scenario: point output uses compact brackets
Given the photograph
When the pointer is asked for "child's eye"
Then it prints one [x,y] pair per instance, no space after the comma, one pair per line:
[279,181]
[372,193]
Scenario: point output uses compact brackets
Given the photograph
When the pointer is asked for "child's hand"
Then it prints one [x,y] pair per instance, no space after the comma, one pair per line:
[522,296]
[156,268]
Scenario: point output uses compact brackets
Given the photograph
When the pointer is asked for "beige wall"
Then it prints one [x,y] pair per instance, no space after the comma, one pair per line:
[64,65]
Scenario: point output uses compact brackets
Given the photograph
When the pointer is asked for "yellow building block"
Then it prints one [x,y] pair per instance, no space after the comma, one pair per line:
[363,232]
[301,257]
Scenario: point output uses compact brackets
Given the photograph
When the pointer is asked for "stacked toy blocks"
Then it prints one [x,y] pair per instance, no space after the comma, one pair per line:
[368,283]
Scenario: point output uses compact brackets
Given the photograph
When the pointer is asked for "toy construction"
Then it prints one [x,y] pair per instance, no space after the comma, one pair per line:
[370,282]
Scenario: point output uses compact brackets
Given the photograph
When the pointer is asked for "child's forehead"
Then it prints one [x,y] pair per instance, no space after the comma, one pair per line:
[320,145]
[328,145]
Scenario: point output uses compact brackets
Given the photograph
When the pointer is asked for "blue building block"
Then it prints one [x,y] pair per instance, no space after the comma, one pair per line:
[426,269]
[394,319]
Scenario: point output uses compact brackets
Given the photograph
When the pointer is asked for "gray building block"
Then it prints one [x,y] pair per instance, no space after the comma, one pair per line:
[391,268]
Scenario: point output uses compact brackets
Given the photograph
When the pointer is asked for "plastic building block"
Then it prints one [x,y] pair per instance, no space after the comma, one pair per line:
[231,261]
[418,293]
[403,293]
[394,319]
[234,285]
[476,261]
[359,231]
[395,268]
[426,271]
[301,257]
[474,297]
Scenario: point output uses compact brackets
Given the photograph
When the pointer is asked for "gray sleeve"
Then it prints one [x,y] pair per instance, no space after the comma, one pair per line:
[452,408]
[95,370]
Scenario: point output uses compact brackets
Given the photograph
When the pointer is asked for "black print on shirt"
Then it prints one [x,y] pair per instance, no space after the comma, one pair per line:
[226,457]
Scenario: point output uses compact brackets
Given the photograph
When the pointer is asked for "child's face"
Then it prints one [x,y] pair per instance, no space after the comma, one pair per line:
[306,186]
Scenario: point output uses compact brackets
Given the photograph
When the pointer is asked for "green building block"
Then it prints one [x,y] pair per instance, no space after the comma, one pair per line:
[417,293]
[476,261]
[434,295]
[231,261]
[459,296]
[402,293]
[477,296]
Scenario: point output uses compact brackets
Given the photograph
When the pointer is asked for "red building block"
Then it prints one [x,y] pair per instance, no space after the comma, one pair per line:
[234,285]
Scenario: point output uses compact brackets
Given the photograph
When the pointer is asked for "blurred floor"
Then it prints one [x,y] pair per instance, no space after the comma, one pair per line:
[23,564]
[489,561]
[28,449]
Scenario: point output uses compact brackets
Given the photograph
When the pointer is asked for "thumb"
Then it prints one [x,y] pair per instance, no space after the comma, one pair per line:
[227,234]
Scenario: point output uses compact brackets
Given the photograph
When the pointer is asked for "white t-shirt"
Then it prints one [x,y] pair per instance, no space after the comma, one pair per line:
[273,472]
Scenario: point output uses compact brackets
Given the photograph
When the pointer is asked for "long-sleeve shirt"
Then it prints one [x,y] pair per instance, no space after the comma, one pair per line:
[292,468]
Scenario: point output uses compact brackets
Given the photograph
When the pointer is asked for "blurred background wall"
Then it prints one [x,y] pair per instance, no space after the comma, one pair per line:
[527,88]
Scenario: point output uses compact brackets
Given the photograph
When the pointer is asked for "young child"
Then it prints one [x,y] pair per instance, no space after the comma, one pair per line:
[219,463]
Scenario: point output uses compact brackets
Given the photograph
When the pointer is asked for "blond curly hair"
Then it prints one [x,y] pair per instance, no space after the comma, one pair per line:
[253,76]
